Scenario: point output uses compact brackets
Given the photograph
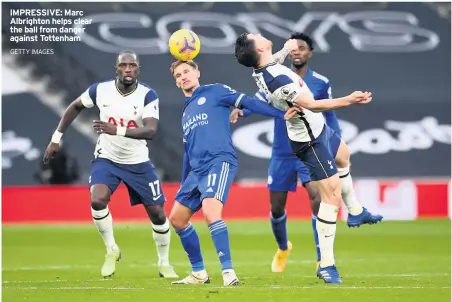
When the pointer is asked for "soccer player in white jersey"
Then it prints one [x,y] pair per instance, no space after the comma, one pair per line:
[312,141]
[285,167]
[129,114]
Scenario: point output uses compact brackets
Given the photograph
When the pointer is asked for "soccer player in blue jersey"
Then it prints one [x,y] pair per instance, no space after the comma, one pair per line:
[210,165]
[285,166]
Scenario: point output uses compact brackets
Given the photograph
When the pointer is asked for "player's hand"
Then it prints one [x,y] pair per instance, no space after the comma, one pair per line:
[50,152]
[104,127]
[359,97]
[235,115]
[291,44]
[291,113]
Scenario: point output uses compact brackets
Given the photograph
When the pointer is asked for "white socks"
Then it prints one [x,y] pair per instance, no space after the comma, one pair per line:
[348,192]
[162,238]
[104,223]
[326,229]
[161,233]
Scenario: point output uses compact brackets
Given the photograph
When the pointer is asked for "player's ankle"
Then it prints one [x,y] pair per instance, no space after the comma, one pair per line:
[112,248]
[356,210]
[229,270]
[200,273]
[326,263]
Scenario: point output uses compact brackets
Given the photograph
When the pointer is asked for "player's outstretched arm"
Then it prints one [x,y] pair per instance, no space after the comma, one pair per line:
[69,115]
[231,97]
[255,105]
[305,100]
[236,113]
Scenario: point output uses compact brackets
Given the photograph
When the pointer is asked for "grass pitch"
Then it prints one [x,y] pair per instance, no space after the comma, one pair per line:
[391,261]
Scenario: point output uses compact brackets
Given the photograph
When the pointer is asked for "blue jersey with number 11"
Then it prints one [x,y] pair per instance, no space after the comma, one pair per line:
[206,125]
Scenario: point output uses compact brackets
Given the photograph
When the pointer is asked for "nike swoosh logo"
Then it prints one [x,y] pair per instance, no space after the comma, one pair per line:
[328,236]
[105,105]
[193,39]
[156,197]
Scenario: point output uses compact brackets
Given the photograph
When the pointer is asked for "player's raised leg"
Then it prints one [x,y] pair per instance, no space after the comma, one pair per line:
[103,183]
[187,203]
[215,187]
[357,214]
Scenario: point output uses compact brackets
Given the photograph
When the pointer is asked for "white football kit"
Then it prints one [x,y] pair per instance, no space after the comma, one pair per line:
[281,87]
[123,110]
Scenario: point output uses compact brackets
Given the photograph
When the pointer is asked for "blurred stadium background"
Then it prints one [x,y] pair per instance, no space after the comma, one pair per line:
[399,51]
[401,147]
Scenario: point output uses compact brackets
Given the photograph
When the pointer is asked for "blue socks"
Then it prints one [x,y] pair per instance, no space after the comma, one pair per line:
[190,242]
[279,227]
[220,238]
[316,236]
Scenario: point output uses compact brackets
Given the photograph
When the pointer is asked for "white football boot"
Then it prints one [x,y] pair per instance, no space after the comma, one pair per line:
[230,278]
[194,278]
[111,258]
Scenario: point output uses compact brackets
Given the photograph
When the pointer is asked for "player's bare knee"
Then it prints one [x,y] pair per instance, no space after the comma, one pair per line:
[178,222]
[278,203]
[100,197]
[99,201]
[212,209]
[343,156]
[156,214]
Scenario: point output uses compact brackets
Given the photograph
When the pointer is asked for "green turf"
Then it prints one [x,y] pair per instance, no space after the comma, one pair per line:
[392,261]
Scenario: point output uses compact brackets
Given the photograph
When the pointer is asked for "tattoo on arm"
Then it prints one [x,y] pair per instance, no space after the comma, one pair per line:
[281,55]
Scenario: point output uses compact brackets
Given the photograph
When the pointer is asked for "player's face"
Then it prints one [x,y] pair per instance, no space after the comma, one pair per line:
[127,69]
[302,55]
[262,44]
[187,77]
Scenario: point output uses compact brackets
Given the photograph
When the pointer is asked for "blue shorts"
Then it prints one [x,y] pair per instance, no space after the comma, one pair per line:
[140,179]
[283,173]
[319,154]
[215,183]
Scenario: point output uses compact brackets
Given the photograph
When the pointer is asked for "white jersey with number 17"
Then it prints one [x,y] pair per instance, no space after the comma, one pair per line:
[123,110]
[282,86]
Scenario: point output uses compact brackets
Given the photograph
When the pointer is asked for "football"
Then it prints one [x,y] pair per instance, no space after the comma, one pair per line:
[184,45]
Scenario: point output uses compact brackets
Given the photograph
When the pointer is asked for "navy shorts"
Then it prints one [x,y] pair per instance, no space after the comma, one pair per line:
[319,154]
[215,183]
[283,174]
[140,179]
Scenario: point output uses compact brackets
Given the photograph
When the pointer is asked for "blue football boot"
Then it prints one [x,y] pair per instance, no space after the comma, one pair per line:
[329,274]
[364,218]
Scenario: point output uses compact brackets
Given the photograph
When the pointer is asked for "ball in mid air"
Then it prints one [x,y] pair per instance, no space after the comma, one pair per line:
[184,45]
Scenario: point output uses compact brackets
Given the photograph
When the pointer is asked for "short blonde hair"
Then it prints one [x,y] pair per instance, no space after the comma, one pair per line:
[180,62]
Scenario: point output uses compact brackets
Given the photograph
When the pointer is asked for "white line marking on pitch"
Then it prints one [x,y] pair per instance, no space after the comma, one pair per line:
[297,276]
[219,287]
[178,263]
